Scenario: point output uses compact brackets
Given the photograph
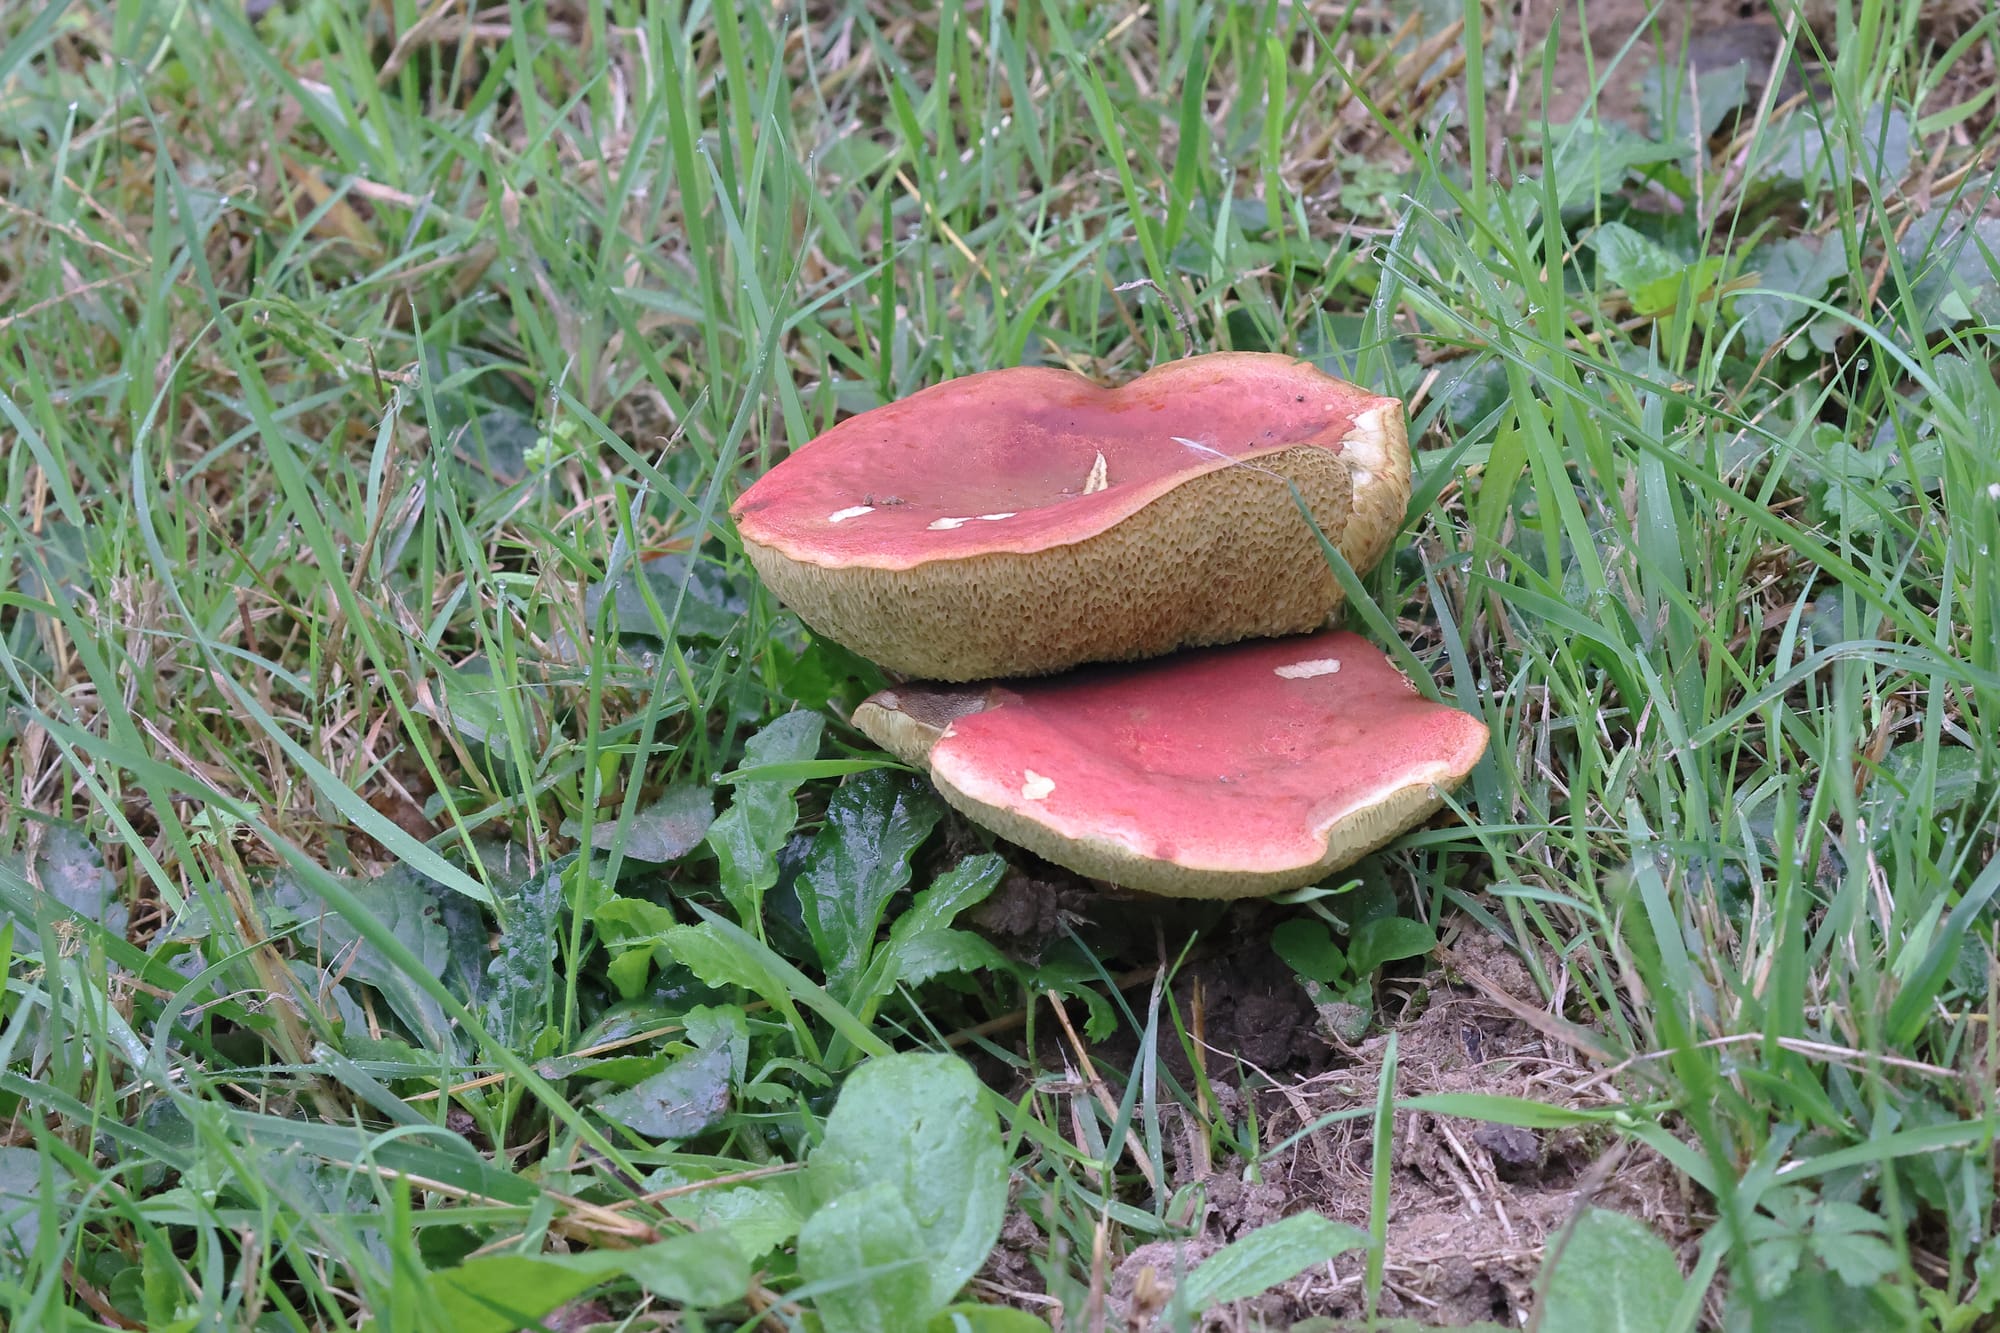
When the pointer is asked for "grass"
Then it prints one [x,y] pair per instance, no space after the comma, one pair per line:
[373,382]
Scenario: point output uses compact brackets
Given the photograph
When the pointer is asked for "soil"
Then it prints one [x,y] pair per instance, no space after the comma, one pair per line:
[1718,32]
[1472,1203]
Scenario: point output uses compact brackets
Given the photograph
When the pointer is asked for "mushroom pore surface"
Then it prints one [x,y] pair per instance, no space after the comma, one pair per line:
[1019,522]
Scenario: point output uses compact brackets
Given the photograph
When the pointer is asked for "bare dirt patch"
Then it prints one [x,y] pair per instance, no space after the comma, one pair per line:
[1473,1203]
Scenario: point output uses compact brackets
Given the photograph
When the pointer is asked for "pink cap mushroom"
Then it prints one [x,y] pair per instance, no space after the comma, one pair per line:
[1021,521]
[1220,773]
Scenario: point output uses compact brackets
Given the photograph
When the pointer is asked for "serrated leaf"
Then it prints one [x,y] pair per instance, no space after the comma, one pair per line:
[1306,946]
[1851,1241]
[917,1124]
[870,1252]
[964,885]
[521,977]
[1267,1256]
[936,952]
[1613,1275]
[859,860]
[1631,259]
[684,1099]
[747,837]
[1385,940]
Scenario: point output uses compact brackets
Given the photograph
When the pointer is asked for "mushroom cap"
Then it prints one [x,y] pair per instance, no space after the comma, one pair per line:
[1220,773]
[1016,522]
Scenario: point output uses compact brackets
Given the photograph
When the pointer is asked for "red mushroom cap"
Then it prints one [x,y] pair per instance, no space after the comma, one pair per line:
[1021,521]
[1225,772]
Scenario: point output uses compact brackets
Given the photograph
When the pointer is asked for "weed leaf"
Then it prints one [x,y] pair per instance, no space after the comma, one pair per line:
[747,836]
[871,1251]
[1613,1275]
[521,978]
[1267,1256]
[859,860]
[917,1126]
[664,831]
[1387,939]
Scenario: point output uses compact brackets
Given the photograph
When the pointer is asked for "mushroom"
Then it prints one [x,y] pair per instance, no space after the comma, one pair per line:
[1217,773]
[1018,522]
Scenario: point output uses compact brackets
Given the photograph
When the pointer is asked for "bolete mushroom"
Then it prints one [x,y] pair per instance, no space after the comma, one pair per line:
[1217,773]
[1017,522]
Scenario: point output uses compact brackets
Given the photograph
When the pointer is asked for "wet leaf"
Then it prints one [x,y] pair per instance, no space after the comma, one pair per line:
[1613,1275]
[869,1251]
[521,979]
[914,1128]
[664,831]
[1267,1256]
[1805,268]
[404,902]
[69,869]
[748,836]
[756,1221]
[709,610]
[21,1203]
[859,860]
[679,1102]
[933,953]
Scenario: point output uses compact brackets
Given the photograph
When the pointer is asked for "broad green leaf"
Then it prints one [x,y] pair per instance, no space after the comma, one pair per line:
[69,869]
[664,831]
[696,1269]
[1631,259]
[1613,1275]
[1385,940]
[22,1207]
[1803,268]
[687,1097]
[1307,947]
[918,1124]
[499,1293]
[1852,1242]
[859,860]
[755,1220]
[405,903]
[747,837]
[1267,1256]
[709,610]
[870,1252]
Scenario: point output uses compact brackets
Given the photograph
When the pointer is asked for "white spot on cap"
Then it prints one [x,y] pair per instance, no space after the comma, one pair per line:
[1035,787]
[842,515]
[1313,666]
[1099,478]
[1994,490]
[947,524]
